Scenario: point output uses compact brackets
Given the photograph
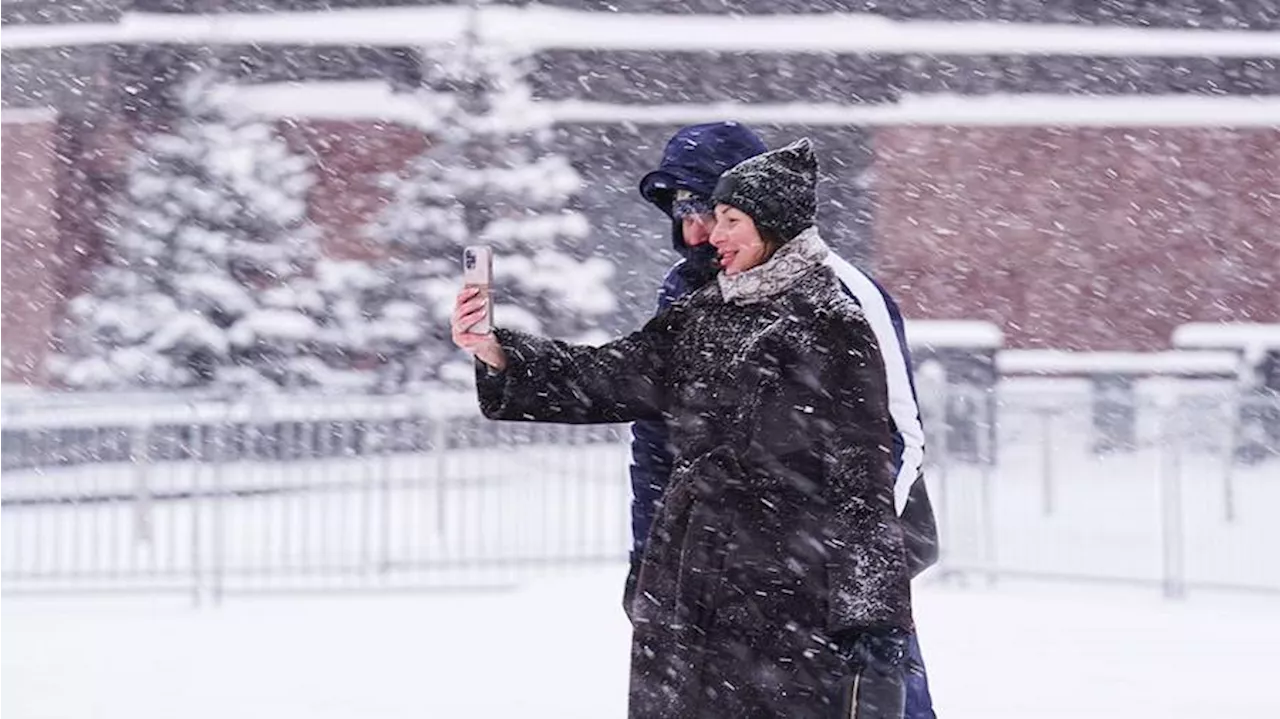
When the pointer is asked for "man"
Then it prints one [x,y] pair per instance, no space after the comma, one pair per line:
[681,187]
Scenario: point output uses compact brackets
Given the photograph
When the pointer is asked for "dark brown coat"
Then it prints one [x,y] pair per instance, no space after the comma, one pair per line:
[777,530]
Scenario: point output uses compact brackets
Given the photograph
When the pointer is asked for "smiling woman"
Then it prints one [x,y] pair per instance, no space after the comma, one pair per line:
[763,204]
[738,243]
[775,581]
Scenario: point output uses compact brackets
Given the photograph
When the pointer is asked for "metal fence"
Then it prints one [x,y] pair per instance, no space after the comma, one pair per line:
[372,494]
[1057,490]
[214,499]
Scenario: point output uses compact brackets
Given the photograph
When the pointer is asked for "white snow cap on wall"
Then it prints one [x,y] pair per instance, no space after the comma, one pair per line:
[374,100]
[538,27]
[25,115]
[334,100]
[966,334]
[1249,337]
[997,110]
[1060,362]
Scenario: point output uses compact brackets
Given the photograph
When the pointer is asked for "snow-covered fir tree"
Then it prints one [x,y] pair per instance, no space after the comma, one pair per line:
[208,253]
[487,177]
[341,292]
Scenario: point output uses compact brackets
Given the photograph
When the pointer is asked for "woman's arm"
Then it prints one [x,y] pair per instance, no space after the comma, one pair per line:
[522,377]
[552,381]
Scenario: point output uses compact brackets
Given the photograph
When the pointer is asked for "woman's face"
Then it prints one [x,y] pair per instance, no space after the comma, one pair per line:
[737,241]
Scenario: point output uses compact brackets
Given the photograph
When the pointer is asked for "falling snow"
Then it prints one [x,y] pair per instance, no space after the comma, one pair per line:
[232,238]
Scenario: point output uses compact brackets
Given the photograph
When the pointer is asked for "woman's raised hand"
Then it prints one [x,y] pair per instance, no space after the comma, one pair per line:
[468,309]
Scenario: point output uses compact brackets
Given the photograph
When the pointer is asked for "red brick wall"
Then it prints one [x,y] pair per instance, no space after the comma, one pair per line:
[1069,238]
[349,158]
[33,272]
[1080,238]
[100,150]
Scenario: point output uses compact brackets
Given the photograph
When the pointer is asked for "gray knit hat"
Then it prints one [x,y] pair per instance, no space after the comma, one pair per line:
[778,189]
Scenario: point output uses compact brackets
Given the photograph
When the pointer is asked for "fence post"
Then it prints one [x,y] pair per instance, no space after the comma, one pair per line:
[438,440]
[967,351]
[1260,411]
[369,440]
[142,500]
[987,461]
[1115,417]
[1229,456]
[386,457]
[1046,459]
[1258,346]
[1171,521]
[197,506]
[218,455]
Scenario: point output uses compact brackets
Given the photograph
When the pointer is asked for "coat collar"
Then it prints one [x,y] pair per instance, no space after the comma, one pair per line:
[763,282]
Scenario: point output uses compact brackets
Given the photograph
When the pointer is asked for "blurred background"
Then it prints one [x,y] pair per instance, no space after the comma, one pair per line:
[243,468]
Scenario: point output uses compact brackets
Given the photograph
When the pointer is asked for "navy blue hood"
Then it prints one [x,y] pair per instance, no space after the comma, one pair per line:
[694,160]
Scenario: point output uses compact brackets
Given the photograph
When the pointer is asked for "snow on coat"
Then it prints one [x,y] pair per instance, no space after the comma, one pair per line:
[777,531]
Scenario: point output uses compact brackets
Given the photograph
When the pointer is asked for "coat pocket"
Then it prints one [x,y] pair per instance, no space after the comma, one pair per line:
[876,685]
[871,694]
[704,563]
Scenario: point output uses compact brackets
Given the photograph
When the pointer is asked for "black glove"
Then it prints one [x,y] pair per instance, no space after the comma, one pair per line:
[919,529]
[876,687]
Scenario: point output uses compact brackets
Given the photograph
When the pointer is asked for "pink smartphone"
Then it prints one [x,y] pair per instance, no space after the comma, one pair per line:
[477,271]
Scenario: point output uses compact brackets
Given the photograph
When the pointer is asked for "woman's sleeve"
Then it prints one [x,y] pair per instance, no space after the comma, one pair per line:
[552,381]
[866,567]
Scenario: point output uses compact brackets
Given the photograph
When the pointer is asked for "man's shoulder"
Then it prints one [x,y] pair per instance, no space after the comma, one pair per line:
[853,279]
[673,272]
[859,284]
[673,285]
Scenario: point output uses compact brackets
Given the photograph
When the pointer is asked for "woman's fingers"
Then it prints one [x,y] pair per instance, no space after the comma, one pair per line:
[470,308]
[469,319]
[467,293]
[469,305]
[464,318]
[477,304]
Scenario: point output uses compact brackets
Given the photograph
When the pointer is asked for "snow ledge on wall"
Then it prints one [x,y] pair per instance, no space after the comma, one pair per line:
[28,115]
[1050,363]
[538,27]
[966,334]
[374,100]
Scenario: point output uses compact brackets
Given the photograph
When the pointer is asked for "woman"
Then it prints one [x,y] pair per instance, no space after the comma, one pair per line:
[774,580]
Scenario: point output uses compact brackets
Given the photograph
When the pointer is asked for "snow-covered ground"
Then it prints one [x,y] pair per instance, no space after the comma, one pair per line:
[558,648]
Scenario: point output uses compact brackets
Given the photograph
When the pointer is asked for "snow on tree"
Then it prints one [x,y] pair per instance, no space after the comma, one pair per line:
[487,177]
[344,290]
[202,255]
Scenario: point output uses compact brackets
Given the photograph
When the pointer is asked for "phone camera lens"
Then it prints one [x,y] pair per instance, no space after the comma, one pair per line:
[469,261]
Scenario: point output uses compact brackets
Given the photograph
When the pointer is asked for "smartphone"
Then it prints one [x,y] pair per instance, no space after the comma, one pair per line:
[477,271]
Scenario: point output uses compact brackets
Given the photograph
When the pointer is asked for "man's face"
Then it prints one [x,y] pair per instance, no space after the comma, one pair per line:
[696,228]
[696,215]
